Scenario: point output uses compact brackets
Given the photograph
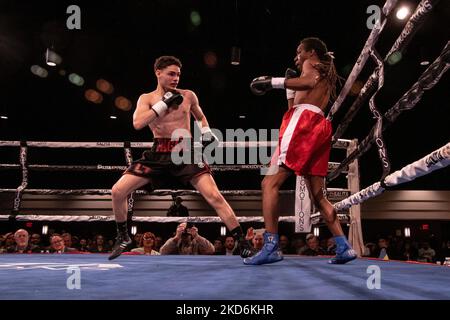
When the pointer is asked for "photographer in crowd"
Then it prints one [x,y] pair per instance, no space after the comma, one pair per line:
[187,241]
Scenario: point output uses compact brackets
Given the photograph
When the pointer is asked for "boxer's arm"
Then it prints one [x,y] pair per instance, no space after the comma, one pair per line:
[198,114]
[197,111]
[307,81]
[143,114]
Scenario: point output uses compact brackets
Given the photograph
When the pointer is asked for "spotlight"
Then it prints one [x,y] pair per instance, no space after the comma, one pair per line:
[235,56]
[76,79]
[394,58]
[402,13]
[223,230]
[122,103]
[39,71]
[4,117]
[133,230]
[44,229]
[210,59]
[52,58]
[196,20]
[407,232]
[425,63]
[93,96]
[113,117]
[104,86]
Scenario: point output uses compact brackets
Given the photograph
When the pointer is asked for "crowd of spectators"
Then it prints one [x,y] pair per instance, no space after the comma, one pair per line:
[187,239]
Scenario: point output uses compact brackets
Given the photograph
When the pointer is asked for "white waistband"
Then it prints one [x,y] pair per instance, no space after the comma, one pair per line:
[309,107]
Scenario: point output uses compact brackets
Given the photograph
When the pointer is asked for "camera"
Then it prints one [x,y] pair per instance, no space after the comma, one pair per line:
[189,225]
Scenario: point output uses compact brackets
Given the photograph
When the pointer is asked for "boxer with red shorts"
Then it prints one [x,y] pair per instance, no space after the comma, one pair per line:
[304,144]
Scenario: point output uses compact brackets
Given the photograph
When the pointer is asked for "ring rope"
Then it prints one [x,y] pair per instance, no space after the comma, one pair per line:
[378,127]
[362,59]
[339,144]
[429,78]
[438,159]
[223,167]
[204,219]
[411,27]
[161,192]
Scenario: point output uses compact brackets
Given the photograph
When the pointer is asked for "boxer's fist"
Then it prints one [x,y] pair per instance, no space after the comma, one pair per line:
[169,99]
[172,98]
[261,85]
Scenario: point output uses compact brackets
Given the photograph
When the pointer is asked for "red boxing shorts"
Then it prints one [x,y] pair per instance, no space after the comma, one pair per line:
[305,141]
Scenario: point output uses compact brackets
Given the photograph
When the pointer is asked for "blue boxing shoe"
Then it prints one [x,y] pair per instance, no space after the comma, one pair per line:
[344,251]
[269,253]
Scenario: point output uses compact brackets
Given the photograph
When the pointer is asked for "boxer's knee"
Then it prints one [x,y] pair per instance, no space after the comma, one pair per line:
[269,183]
[215,198]
[118,193]
[327,210]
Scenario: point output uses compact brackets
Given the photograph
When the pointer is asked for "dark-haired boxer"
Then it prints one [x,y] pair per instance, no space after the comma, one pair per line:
[304,145]
[166,111]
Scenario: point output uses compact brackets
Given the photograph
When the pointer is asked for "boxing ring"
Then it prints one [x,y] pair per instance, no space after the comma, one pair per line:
[214,278]
[43,276]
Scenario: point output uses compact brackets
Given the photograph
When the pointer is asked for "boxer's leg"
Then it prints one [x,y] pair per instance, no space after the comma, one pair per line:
[270,187]
[120,192]
[207,187]
[344,251]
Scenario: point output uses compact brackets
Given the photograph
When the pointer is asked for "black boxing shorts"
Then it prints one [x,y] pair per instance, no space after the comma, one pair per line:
[156,164]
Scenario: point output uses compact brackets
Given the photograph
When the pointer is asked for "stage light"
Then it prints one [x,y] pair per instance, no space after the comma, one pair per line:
[123,103]
[210,59]
[93,96]
[402,13]
[394,58]
[76,79]
[235,56]
[39,71]
[52,58]
[105,86]
[407,232]
[196,20]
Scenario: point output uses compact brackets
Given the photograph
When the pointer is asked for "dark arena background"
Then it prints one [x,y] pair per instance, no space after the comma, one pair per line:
[72,79]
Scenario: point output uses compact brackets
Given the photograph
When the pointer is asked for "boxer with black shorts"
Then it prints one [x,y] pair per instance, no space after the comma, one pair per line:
[167,110]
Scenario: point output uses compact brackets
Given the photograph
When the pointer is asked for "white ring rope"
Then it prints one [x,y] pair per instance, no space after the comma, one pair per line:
[161,192]
[95,218]
[340,144]
[436,160]
[429,78]
[362,59]
[222,167]
[411,27]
